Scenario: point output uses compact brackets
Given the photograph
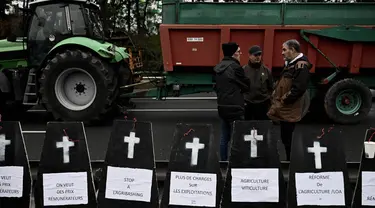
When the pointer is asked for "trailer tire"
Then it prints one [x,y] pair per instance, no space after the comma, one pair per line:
[348,101]
[3,105]
[306,104]
[59,87]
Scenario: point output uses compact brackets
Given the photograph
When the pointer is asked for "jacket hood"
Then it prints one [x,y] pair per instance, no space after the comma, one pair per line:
[300,57]
[224,64]
[304,58]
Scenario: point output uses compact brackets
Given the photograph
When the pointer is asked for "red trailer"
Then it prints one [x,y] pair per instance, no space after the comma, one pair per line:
[336,55]
[200,46]
[338,38]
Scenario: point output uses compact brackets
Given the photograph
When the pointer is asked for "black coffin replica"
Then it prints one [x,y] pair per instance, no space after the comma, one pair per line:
[194,178]
[129,176]
[364,195]
[15,176]
[318,176]
[64,176]
[254,176]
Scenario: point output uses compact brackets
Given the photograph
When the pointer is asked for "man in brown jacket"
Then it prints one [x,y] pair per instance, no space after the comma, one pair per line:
[261,86]
[288,96]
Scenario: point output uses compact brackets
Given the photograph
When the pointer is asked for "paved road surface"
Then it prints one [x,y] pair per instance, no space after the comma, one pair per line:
[165,114]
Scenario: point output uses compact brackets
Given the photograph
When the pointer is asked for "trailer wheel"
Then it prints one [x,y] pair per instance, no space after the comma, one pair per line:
[348,101]
[306,104]
[3,105]
[77,86]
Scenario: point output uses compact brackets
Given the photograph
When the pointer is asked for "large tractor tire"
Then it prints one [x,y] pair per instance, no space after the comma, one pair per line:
[77,86]
[306,103]
[348,101]
[125,78]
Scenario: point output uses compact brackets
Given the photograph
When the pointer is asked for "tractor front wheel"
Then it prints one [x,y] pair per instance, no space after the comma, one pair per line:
[348,101]
[77,86]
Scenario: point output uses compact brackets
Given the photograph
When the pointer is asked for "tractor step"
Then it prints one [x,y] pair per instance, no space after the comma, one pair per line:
[30,96]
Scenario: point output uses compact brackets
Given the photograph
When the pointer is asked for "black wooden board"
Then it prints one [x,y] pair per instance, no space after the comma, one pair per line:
[321,180]
[366,198]
[258,156]
[14,167]
[56,162]
[193,177]
[127,189]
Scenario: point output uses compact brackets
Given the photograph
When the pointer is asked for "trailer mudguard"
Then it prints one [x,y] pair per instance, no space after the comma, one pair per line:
[4,83]
[104,49]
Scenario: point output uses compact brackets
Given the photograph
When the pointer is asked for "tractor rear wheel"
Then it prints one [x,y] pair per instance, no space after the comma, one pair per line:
[77,86]
[348,101]
[125,78]
[306,103]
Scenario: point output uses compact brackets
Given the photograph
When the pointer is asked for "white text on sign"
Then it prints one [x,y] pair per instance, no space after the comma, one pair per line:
[193,189]
[65,188]
[368,188]
[255,185]
[11,181]
[325,188]
[194,39]
[128,184]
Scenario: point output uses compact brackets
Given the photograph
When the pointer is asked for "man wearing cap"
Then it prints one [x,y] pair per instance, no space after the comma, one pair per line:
[231,83]
[257,100]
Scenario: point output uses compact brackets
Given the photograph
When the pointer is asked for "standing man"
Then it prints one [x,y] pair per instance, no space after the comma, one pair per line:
[288,97]
[231,83]
[257,100]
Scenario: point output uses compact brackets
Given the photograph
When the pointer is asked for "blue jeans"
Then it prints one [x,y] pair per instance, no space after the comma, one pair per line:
[225,138]
[226,133]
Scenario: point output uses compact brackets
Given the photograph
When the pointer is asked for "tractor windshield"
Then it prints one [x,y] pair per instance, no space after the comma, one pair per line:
[95,23]
[48,26]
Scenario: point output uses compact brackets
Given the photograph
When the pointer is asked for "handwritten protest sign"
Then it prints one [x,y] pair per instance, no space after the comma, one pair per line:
[65,188]
[193,189]
[255,185]
[324,188]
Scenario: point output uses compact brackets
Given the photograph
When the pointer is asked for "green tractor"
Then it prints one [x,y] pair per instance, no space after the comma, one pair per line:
[64,63]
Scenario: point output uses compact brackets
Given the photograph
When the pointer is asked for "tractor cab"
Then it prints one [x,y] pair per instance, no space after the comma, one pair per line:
[54,21]
[69,67]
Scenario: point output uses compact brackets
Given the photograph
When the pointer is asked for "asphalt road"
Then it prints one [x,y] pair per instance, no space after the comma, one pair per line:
[165,114]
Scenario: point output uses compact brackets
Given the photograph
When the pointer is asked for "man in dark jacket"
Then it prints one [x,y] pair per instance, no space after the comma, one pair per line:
[257,100]
[290,92]
[231,83]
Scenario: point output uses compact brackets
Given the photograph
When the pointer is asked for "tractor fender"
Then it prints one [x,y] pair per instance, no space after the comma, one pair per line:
[104,49]
[4,83]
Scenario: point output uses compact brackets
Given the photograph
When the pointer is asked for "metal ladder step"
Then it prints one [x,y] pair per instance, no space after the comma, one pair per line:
[30,96]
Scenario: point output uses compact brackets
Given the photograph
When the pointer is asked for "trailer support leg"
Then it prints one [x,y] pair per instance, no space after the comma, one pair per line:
[333,75]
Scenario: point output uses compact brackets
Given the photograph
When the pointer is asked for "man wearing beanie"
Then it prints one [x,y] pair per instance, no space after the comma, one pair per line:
[231,83]
[258,98]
